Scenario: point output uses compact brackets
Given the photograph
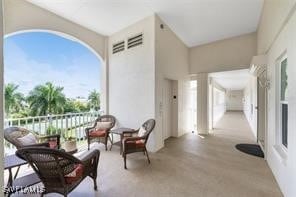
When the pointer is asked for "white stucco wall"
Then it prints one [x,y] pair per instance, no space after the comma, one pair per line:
[171,61]
[274,16]
[229,54]
[132,79]
[22,15]
[277,34]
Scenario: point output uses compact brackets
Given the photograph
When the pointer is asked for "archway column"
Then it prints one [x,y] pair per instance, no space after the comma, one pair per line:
[202,104]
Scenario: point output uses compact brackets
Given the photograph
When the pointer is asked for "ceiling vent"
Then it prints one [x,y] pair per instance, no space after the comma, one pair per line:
[135,41]
[118,47]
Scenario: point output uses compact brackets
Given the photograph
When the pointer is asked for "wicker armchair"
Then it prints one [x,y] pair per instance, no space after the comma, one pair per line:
[59,171]
[97,134]
[137,144]
[13,134]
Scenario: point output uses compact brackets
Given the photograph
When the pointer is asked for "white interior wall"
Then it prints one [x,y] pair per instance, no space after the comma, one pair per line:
[234,100]
[171,61]
[132,79]
[274,15]
[229,54]
[137,75]
[277,34]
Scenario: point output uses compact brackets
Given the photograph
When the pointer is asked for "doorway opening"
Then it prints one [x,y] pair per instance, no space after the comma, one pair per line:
[193,106]
[233,91]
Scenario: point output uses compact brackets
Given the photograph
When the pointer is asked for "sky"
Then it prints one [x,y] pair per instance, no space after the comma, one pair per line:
[35,58]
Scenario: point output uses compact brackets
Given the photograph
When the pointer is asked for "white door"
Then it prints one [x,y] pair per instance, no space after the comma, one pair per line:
[167,109]
[261,115]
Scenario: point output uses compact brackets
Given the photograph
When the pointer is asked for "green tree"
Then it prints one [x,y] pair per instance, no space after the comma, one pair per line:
[14,100]
[70,106]
[94,100]
[80,106]
[46,99]
[75,106]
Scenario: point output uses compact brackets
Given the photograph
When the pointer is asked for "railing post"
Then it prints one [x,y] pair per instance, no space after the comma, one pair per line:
[39,124]
[33,124]
[26,123]
[66,130]
[62,126]
[75,123]
[71,125]
[79,128]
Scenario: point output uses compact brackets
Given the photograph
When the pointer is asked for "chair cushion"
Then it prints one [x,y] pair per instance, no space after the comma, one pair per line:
[135,144]
[140,143]
[142,132]
[28,139]
[97,133]
[75,175]
[53,144]
[103,125]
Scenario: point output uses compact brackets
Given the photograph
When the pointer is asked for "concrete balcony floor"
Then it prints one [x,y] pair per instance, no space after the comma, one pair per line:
[188,166]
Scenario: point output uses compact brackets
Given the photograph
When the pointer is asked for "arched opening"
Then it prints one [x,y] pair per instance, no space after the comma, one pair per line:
[53,83]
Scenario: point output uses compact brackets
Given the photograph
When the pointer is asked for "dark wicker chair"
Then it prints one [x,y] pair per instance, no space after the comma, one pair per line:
[137,144]
[53,167]
[100,135]
[12,134]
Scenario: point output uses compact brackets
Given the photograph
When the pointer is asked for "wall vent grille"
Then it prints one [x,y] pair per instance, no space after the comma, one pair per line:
[118,47]
[135,41]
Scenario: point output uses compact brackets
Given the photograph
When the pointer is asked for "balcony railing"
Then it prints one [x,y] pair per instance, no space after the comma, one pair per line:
[67,125]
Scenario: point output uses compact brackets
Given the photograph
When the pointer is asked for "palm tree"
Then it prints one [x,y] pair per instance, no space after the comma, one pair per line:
[13,99]
[46,99]
[94,100]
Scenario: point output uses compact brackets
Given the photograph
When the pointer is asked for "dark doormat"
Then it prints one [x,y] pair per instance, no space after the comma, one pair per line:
[251,149]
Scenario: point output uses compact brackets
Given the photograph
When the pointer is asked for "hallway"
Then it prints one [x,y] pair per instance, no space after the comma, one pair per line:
[234,125]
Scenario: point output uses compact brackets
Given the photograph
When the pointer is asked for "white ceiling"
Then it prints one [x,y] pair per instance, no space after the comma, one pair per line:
[232,80]
[196,22]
